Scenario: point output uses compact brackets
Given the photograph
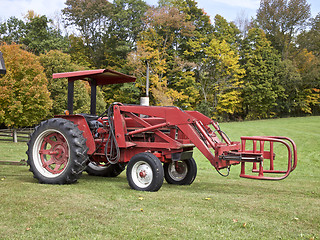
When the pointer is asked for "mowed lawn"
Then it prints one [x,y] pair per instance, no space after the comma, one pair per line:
[213,207]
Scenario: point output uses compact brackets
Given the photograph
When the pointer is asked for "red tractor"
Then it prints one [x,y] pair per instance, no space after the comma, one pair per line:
[152,142]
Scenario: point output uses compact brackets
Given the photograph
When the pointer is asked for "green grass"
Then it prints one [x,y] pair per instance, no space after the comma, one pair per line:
[212,207]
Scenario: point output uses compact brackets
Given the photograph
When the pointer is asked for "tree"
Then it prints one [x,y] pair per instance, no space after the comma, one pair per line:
[24,97]
[79,52]
[126,22]
[219,77]
[308,66]
[171,81]
[39,37]
[108,30]
[282,20]
[35,33]
[12,30]
[227,31]
[310,40]
[242,22]
[291,81]
[91,18]
[199,19]
[261,82]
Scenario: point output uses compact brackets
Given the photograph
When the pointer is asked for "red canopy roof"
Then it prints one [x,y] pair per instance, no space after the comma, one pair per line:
[102,76]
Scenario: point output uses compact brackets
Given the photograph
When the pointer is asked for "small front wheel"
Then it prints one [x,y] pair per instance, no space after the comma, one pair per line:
[145,172]
[180,172]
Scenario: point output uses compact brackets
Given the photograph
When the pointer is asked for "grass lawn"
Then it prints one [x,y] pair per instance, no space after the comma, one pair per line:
[213,207]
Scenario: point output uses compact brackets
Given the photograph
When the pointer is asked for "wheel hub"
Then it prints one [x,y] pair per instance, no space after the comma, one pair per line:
[142,174]
[178,170]
[54,153]
[180,167]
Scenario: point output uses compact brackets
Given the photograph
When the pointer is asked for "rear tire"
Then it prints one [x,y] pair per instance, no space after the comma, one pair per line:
[57,152]
[180,172]
[145,172]
[108,170]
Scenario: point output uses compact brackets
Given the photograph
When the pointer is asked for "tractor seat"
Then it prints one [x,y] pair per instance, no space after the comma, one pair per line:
[89,117]
[92,121]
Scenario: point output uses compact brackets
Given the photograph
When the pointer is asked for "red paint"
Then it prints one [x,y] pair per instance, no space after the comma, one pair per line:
[54,153]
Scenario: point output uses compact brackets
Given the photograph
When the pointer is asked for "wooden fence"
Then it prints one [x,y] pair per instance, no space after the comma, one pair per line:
[16,135]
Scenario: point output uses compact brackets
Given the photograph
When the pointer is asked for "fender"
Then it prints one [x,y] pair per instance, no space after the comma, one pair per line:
[82,124]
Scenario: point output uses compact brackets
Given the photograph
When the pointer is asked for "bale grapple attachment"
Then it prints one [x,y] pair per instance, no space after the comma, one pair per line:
[258,148]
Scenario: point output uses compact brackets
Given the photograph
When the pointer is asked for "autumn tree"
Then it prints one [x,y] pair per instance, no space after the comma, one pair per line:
[308,66]
[203,27]
[24,97]
[220,79]
[78,52]
[291,81]
[171,81]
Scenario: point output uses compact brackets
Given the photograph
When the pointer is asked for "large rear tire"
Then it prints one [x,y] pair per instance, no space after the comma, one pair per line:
[105,170]
[180,172]
[145,172]
[57,152]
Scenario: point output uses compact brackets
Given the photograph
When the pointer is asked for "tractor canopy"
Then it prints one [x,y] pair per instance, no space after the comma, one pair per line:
[99,76]
[95,78]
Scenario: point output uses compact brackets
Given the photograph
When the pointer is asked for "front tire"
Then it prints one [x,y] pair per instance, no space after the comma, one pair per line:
[180,172]
[145,172]
[57,152]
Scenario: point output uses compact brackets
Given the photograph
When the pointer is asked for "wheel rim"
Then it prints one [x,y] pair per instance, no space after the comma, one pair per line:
[51,153]
[142,174]
[178,170]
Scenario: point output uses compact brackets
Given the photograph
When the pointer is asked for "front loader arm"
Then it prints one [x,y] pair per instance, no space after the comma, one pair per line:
[201,131]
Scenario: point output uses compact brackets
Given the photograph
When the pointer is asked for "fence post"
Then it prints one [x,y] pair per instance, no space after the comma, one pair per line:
[14,135]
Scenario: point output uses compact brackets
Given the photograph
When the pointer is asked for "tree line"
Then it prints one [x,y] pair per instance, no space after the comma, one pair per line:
[263,67]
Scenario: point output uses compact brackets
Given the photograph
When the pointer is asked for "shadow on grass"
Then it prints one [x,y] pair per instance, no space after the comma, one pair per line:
[204,184]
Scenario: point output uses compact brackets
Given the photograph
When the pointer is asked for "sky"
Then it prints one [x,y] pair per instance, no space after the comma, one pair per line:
[229,9]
